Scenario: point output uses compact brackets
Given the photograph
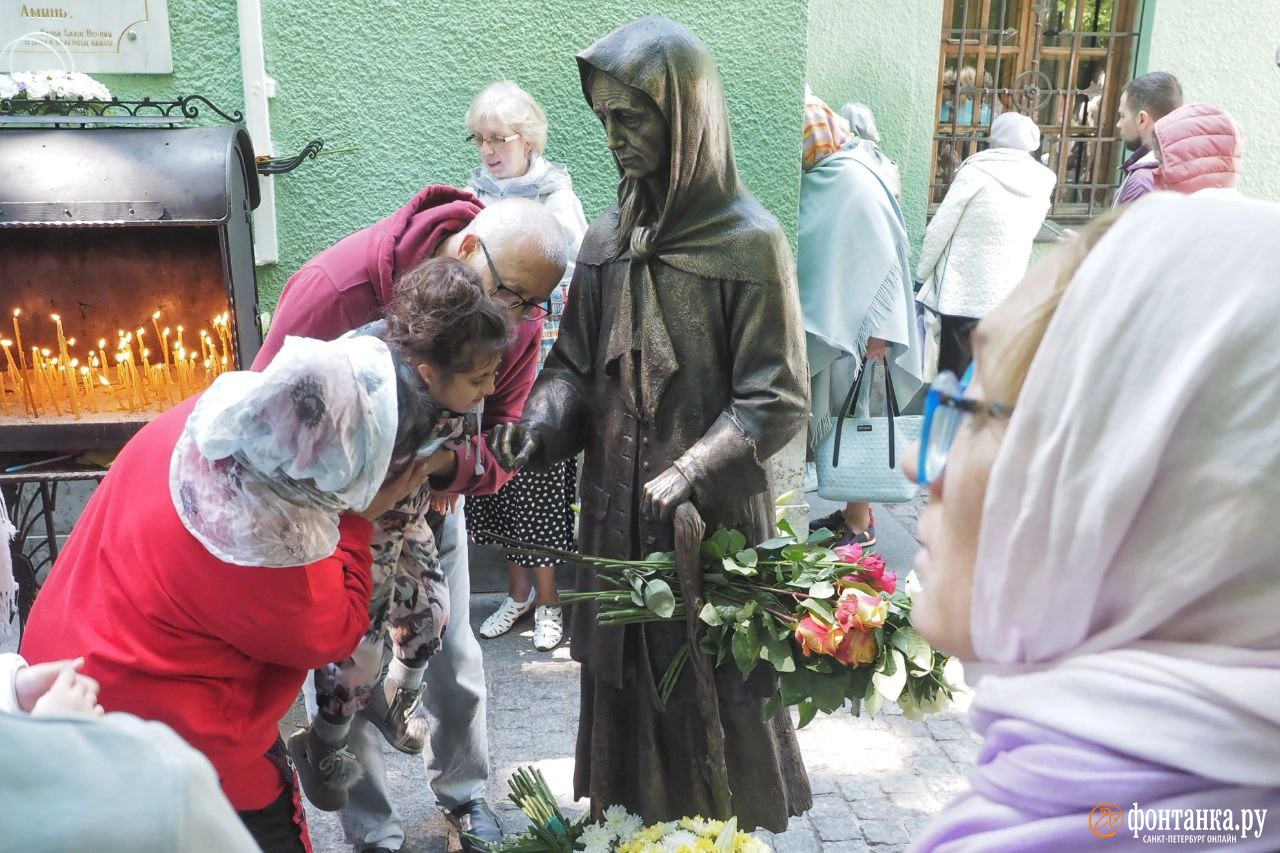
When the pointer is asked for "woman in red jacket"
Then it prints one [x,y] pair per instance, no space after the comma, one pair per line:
[227,553]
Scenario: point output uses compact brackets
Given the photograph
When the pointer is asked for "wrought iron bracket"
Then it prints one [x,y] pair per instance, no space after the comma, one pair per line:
[280,165]
[49,111]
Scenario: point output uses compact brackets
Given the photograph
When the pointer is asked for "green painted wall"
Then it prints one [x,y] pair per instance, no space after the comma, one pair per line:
[1224,53]
[884,54]
[393,79]
[206,58]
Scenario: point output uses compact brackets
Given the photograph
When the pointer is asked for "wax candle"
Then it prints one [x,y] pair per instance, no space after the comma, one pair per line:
[164,351]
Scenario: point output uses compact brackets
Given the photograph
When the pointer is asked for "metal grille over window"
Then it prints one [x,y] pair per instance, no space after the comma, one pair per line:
[1062,62]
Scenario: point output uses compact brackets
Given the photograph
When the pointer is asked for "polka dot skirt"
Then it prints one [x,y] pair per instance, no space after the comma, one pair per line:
[534,507]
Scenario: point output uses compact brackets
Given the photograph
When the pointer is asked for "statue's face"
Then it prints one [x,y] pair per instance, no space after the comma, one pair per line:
[636,131]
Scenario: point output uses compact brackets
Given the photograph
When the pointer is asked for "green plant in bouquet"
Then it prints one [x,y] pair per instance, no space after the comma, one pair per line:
[618,831]
[829,621]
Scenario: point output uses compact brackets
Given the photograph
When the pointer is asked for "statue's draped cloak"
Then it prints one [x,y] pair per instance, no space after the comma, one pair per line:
[681,344]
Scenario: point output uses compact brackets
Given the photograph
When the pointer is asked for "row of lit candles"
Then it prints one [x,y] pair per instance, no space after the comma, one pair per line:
[67,386]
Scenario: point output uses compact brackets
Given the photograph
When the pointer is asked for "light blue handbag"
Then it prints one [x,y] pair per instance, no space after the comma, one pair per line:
[858,460]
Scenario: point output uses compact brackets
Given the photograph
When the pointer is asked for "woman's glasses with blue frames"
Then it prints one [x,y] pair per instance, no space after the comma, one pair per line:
[944,410]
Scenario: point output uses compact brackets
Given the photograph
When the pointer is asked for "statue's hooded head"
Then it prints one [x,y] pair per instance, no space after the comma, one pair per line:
[656,90]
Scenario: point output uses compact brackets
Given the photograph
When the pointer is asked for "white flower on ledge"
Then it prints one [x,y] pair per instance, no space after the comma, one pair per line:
[60,85]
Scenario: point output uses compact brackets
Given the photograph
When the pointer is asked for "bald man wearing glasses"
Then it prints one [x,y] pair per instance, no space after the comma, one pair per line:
[520,251]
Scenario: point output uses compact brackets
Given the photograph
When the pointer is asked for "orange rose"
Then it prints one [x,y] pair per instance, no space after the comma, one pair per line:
[858,648]
[858,610]
[815,635]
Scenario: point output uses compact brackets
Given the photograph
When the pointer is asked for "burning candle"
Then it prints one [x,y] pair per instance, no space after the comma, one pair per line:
[180,360]
[68,372]
[144,352]
[62,341]
[88,389]
[164,351]
[177,344]
[17,336]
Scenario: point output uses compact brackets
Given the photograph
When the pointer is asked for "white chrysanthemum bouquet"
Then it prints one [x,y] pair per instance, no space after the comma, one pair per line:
[619,831]
[55,84]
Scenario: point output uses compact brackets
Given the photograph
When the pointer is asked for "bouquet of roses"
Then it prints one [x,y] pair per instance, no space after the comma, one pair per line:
[830,622]
[618,832]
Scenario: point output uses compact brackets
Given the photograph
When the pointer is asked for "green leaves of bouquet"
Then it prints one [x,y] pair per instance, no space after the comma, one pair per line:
[830,622]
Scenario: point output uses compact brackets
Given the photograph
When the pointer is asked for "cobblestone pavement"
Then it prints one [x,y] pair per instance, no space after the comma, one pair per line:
[875,782]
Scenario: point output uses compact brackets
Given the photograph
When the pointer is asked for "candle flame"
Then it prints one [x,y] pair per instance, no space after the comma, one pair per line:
[71,342]
[104,380]
[84,371]
[55,318]
[155,316]
[17,312]
[6,343]
[102,343]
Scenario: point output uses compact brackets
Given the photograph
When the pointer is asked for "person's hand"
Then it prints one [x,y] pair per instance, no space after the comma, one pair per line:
[444,503]
[397,489]
[875,348]
[512,444]
[664,493]
[57,687]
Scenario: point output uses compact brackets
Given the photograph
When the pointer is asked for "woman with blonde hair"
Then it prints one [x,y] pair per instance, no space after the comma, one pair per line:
[509,128]
[1100,546]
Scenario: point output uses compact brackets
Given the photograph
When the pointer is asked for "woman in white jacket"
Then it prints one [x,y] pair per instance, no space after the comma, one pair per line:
[977,245]
[510,130]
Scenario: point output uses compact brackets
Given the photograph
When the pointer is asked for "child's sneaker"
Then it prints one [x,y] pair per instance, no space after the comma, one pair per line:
[400,720]
[548,627]
[326,772]
[506,616]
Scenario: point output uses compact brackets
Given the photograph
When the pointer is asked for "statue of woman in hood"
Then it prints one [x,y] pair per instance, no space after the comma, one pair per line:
[679,371]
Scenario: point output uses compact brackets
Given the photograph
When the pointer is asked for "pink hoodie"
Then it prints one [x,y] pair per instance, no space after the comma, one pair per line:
[346,285]
[1201,147]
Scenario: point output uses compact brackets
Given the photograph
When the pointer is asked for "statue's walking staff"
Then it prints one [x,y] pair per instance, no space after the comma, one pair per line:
[689,530]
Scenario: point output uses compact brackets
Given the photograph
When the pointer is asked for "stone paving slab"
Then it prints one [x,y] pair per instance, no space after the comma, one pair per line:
[876,781]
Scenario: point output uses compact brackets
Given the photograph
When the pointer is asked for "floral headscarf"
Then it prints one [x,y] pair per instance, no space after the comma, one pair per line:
[268,460]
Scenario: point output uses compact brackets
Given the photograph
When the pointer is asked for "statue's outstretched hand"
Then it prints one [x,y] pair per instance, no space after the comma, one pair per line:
[512,445]
[665,492]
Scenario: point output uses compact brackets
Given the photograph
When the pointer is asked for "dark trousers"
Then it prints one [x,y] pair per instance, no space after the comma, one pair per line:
[273,827]
[954,349]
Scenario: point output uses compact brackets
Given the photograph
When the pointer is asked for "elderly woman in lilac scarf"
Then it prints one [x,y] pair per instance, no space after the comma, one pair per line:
[1102,548]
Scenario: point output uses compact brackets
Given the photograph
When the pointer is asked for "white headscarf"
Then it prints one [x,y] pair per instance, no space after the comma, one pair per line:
[268,460]
[1128,575]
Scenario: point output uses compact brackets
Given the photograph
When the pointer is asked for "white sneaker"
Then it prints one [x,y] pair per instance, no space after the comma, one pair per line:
[506,616]
[548,627]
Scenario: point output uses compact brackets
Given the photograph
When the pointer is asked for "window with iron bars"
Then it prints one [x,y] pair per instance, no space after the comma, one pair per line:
[1062,62]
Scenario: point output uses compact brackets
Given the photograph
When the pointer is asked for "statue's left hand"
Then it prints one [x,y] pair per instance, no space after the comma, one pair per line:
[664,493]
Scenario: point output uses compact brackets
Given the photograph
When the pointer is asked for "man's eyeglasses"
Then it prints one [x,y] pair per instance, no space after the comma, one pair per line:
[491,141]
[510,299]
[944,410]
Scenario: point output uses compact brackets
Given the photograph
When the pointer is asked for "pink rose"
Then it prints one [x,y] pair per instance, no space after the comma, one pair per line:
[858,648]
[872,566]
[887,583]
[850,553]
[858,610]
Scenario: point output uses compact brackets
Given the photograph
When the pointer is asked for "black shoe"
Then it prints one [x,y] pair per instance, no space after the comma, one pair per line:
[477,825]
[834,522]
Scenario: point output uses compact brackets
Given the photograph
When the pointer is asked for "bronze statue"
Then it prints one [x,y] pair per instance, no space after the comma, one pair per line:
[679,370]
